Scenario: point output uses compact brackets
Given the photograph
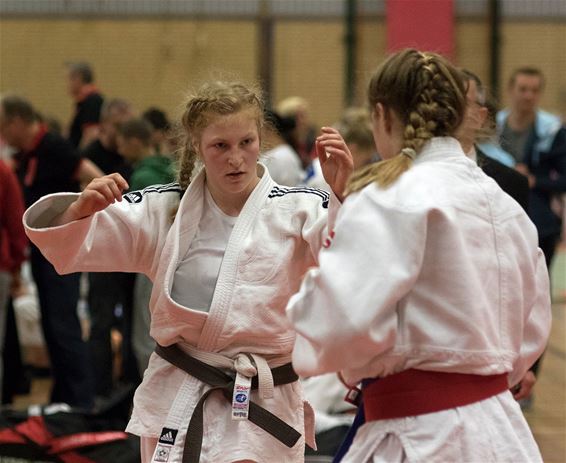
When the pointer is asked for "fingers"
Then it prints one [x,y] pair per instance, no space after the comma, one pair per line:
[330,142]
[525,386]
[109,187]
[98,195]
[120,181]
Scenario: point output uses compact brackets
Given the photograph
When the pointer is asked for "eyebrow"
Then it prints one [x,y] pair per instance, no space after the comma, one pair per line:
[220,138]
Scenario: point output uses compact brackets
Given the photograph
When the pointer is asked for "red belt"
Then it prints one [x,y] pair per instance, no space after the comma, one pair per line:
[416,392]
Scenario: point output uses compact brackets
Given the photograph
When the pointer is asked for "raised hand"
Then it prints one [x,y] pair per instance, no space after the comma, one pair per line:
[335,160]
[98,195]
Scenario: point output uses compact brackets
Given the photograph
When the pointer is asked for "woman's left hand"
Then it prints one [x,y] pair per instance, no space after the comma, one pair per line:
[524,388]
[335,160]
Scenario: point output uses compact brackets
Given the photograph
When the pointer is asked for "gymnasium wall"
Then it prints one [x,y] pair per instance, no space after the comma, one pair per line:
[154,61]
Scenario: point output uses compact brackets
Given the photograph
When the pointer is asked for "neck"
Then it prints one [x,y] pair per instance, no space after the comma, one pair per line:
[231,204]
[84,91]
[521,120]
[29,138]
[467,145]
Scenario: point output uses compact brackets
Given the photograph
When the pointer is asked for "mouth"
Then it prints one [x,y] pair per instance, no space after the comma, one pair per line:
[235,174]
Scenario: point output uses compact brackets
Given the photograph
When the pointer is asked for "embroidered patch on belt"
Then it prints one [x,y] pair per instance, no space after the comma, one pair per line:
[168,436]
[162,453]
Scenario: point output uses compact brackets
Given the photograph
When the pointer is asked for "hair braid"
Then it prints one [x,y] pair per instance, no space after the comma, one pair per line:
[187,162]
[428,95]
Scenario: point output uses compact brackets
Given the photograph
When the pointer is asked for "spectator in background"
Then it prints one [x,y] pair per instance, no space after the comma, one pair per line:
[359,138]
[304,134]
[88,103]
[160,131]
[479,126]
[53,125]
[281,159]
[110,293]
[537,140]
[135,144]
[103,151]
[47,163]
[13,243]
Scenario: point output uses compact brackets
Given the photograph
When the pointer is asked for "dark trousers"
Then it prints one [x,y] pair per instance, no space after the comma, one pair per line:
[68,353]
[107,291]
[16,381]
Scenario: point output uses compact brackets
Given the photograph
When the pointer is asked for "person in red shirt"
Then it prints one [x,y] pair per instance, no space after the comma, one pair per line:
[13,243]
[47,163]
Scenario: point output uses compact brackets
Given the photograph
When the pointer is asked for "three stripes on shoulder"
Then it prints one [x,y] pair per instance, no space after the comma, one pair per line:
[279,191]
[137,196]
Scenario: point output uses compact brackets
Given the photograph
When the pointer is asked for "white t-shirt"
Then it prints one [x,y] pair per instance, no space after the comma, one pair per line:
[197,273]
[284,165]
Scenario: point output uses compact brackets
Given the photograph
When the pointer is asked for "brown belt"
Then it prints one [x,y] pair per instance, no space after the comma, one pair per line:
[218,380]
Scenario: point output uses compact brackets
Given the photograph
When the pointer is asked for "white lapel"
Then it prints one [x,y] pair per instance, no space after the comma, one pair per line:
[228,270]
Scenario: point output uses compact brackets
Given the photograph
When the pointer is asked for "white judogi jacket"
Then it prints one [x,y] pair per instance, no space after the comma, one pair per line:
[275,240]
[441,271]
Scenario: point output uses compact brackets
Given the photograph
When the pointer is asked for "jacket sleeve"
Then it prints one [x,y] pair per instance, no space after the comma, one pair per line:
[123,237]
[345,311]
[537,321]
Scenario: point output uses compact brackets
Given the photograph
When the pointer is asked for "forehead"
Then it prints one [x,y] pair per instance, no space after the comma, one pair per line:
[222,124]
[527,80]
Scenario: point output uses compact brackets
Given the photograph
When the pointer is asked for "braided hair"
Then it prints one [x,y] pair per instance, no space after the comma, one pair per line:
[428,95]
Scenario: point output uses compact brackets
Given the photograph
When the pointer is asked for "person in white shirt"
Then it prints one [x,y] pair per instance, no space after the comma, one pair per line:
[281,159]
[431,290]
[223,272]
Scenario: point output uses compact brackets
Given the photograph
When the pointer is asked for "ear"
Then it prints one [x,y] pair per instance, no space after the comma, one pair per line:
[482,115]
[385,114]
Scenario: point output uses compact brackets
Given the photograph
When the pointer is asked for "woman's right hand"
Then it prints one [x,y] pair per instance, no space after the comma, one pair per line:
[98,195]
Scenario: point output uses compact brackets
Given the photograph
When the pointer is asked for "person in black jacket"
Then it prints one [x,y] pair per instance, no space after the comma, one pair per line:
[537,140]
[88,100]
[479,124]
[47,163]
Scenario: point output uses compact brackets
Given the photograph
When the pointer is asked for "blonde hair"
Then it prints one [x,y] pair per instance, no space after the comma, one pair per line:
[210,101]
[355,127]
[428,95]
[290,106]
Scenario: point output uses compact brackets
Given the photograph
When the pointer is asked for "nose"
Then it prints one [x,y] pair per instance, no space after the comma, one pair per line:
[235,157]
